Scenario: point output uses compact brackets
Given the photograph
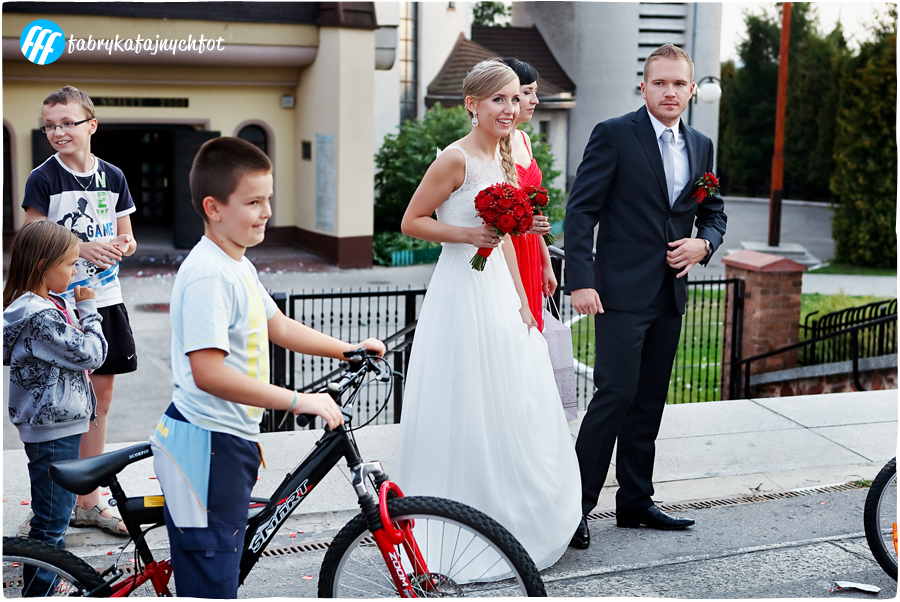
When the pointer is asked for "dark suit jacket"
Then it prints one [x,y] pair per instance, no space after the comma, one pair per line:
[621,184]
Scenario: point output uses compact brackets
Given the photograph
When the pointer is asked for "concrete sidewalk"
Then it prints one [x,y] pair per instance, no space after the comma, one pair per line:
[705,450]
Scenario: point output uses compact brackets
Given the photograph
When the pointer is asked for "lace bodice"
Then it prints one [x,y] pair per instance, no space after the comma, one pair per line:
[459,208]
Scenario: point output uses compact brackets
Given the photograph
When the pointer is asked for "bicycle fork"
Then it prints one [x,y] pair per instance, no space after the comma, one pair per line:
[388,535]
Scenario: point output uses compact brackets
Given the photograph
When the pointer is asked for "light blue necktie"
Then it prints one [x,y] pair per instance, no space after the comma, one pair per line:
[668,157]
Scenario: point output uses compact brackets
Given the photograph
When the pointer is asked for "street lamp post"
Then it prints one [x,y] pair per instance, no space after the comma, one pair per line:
[709,90]
[777,193]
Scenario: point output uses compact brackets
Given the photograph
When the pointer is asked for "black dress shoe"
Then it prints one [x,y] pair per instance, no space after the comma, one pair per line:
[652,517]
[582,537]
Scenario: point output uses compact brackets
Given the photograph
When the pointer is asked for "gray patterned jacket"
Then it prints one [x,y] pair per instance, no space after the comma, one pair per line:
[49,394]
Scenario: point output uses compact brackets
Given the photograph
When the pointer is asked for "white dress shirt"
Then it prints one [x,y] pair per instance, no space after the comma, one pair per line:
[682,167]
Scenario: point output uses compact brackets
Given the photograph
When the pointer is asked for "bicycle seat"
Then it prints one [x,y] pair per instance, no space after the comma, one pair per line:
[84,475]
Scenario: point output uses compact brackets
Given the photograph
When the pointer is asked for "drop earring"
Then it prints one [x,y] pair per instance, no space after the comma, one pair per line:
[475,120]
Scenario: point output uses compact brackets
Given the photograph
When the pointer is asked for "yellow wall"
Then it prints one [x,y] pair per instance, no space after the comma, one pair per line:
[224,107]
[129,28]
[335,98]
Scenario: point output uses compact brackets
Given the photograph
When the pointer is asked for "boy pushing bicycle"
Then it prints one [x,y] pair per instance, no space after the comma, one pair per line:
[205,446]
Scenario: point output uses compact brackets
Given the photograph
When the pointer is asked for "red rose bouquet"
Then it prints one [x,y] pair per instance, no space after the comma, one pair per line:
[507,209]
[539,201]
[708,186]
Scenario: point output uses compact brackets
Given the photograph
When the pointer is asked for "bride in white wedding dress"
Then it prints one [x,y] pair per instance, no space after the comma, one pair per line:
[482,421]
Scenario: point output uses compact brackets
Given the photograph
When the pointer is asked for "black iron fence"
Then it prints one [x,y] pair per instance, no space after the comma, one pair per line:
[353,316]
[701,369]
[873,340]
[708,349]
[742,370]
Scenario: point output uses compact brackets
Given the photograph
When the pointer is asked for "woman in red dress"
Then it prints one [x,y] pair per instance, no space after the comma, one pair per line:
[532,255]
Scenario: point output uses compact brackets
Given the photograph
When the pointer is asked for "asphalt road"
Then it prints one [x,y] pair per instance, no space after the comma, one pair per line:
[773,549]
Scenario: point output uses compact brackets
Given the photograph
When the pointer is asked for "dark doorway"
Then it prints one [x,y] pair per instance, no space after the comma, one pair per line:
[8,209]
[156,161]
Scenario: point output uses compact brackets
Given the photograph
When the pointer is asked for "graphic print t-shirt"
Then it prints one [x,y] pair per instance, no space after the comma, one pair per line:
[88,204]
[219,303]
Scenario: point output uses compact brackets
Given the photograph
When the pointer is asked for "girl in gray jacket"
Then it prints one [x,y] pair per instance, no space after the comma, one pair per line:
[49,355]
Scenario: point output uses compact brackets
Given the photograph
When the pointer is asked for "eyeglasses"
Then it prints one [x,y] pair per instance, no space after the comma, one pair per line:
[66,126]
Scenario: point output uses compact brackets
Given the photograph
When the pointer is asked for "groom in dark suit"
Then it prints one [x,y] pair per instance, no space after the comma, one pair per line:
[637,181]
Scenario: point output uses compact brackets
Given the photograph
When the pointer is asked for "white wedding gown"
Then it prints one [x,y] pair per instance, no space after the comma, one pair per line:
[482,420]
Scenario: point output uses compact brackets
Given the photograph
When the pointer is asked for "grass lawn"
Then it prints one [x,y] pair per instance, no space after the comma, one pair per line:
[843,268]
[825,304]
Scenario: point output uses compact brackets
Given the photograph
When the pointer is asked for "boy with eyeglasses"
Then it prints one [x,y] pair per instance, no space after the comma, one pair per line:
[89,197]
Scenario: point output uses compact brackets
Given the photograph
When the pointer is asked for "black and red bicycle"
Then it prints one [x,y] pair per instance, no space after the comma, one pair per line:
[397,546]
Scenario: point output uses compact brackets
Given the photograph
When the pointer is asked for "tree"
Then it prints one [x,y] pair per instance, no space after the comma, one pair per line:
[747,122]
[865,176]
[491,14]
[749,105]
[405,156]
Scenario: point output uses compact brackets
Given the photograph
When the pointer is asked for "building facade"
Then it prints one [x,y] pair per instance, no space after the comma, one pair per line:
[602,47]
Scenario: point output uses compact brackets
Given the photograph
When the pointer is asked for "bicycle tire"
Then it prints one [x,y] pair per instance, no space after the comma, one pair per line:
[72,576]
[880,516]
[353,550]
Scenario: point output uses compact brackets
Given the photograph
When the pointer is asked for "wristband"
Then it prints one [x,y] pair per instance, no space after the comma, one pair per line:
[293,403]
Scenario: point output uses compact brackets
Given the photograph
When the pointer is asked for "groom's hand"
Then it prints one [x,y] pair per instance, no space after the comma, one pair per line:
[586,301]
[685,253]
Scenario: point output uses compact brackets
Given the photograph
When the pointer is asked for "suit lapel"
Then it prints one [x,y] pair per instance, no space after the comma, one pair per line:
[691,144]
[645,133]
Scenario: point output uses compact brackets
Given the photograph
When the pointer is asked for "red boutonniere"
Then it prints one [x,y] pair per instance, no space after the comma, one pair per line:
[505,208]
[708,185]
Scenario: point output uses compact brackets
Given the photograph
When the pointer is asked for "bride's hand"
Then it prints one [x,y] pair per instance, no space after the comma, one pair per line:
[525,312]
[483,237]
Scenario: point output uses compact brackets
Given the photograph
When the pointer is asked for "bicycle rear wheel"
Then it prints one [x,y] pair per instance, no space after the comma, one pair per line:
[880,518]
[34,568]
[467,554]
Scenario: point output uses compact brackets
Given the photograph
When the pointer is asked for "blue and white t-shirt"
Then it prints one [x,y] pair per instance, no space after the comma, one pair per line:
[219,303]
[88,204]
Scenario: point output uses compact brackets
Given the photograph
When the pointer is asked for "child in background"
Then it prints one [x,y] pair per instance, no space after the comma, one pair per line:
[90,198]
[50,397]
[205,449]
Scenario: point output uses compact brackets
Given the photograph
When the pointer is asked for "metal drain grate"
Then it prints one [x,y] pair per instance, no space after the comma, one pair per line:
[741,499]
[318,545]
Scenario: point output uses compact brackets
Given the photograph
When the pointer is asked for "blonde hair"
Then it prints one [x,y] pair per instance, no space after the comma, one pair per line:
[484,79]
[36,247]
[68,94]
[669,51]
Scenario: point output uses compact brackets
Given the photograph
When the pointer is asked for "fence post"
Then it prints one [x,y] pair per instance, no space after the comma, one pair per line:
[278,375]
[771,310]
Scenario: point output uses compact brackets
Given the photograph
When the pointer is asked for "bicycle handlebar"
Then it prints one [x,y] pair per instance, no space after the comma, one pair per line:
[358,363]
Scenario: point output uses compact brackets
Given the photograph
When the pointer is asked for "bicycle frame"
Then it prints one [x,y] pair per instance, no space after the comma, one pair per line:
[264,523]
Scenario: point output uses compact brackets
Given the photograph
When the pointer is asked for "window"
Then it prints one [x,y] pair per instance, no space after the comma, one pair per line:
[256,136]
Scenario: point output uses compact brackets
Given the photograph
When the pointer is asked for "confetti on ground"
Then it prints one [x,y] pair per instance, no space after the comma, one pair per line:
[307,577]
[131,560]
[152,478]
[820,503]
[15,564]
[5,500]
[293,535]
[105,493]
[109,553]
[24,502]
[259,478]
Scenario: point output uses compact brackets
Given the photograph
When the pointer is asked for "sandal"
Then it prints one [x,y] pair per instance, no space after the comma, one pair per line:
[93,518]
[25,528]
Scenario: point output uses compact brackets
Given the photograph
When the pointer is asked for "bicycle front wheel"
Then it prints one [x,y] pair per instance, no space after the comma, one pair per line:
[33,568]
[880,518]
[466,553]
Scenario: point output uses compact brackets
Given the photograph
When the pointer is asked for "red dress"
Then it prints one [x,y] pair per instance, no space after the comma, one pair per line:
[528,251]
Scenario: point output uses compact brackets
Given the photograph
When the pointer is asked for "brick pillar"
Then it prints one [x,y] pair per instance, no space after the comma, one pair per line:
[771,307]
